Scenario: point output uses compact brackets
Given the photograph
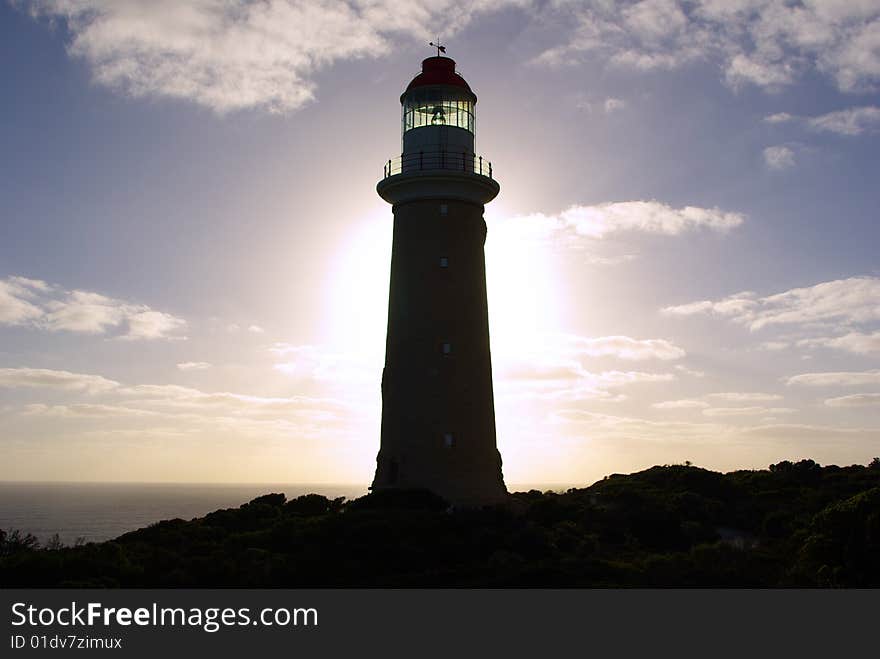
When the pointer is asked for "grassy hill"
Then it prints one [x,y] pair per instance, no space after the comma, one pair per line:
[794,524]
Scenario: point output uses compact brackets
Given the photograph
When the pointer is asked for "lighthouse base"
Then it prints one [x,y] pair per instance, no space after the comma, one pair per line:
[443,474]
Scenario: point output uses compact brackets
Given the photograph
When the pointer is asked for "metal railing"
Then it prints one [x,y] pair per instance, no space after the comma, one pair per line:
[460,161]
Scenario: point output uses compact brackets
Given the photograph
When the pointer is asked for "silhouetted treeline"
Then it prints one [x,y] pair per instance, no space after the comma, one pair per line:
[795,524]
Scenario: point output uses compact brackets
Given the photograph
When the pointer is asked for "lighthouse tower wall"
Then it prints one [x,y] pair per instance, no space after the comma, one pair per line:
[438,422]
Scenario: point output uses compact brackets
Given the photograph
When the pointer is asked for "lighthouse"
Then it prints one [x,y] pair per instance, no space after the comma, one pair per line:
[438,413]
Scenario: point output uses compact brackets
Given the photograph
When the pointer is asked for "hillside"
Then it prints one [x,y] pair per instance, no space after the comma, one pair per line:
[794,524]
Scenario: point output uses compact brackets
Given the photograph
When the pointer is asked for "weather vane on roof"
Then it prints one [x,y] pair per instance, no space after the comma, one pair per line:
[440,49]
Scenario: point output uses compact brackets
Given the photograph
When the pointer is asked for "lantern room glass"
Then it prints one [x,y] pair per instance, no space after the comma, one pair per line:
[434,108]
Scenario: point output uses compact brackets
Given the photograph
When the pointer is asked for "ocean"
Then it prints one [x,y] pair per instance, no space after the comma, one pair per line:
[101,511]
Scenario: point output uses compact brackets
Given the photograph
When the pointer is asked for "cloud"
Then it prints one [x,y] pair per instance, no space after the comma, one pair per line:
[689,371]
[835,379]
[853,300]
[84,411]
[256,329]
[80,311]
[773,345]
[746,411]
[579,223]
[554,366]
[624,347]
[159,391]
[729,396]
[595,259]
[855,62]
[193,366]
[152,325]
[16,300]
[556,371]
[729,306]
[855,400]
[623,428]
[138,414]
[779,117]
[852,121]
[755,42]
[169,399]
[147,411]
[800,432]
[710,432]
[229,55]
[322,365]
[778,157]
[648,216]
[859,343]
[566,379]
[683,404]
[609,106]
[49,379]
[621,378]
[189,409]
[612,105]
[756,70]
[742,397]
[645,35]
[233,403]
[224,407]
[35,303]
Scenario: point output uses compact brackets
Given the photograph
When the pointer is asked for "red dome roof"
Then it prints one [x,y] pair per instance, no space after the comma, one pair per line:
[438,71]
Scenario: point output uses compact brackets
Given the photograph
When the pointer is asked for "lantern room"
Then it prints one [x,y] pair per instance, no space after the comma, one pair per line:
[438,110]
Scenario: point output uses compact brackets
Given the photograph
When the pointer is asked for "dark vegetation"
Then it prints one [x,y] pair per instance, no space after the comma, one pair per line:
[795,524]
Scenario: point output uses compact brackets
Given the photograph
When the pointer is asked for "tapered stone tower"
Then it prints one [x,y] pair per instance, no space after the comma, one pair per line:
[438,413]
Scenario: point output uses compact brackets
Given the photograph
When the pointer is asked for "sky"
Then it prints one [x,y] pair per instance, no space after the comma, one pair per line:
[682,264]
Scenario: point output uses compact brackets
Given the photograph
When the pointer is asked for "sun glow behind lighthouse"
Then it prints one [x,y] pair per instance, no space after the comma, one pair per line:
[355,313]
[526,291]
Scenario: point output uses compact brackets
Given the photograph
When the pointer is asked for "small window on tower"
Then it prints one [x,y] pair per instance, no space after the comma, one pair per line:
[447,348]
[444,262]
[444,209]
[448,440]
